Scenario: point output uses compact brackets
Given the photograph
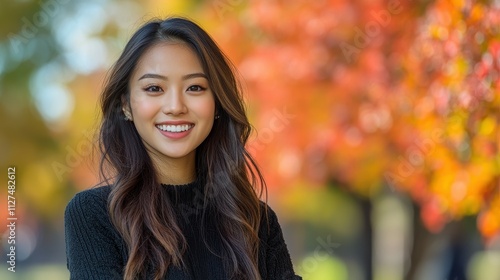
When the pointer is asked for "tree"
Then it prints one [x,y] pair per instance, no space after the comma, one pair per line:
[386,94]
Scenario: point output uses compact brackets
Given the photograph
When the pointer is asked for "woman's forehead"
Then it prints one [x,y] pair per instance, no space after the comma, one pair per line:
[171,58]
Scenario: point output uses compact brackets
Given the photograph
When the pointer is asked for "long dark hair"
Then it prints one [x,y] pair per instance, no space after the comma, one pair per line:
[138,208]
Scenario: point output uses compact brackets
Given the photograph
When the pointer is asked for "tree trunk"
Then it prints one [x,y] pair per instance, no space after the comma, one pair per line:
[421,239]
[366,208]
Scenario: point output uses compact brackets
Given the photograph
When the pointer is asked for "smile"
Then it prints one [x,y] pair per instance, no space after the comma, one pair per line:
[175,128]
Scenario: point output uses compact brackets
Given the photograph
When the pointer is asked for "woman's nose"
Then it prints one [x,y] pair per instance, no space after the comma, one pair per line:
[174,102]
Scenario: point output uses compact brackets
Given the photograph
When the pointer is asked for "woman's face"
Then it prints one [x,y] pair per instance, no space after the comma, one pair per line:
[171,104]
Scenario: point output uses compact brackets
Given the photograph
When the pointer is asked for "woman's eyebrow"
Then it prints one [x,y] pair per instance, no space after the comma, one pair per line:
[161,77]
[153,76]
[194,75]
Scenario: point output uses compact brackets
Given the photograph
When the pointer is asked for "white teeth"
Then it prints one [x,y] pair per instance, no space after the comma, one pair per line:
[174,128]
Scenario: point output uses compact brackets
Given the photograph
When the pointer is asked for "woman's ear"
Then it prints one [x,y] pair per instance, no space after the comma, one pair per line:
[217,112]
[126,109]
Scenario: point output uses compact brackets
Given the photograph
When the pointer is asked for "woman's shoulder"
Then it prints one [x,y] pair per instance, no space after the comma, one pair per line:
[269,220]
[266,210]
[92,199]
[89,209]
[274,258]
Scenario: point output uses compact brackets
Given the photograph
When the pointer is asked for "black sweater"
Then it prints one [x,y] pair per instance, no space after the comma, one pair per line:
[95,249]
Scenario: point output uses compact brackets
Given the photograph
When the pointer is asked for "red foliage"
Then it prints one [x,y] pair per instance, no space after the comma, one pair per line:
[371,94]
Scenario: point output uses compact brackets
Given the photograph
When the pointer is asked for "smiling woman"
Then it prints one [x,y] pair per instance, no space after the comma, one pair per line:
[180,194]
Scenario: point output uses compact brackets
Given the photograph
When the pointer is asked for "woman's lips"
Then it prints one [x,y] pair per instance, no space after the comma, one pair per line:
[175,131]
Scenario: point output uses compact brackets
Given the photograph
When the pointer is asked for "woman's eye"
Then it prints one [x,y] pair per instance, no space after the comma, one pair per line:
[196,88]
[153,89]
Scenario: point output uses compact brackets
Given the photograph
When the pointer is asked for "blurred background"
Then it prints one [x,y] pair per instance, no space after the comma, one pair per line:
[376,125]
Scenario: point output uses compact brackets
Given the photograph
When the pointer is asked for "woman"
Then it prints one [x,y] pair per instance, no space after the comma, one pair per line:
[181,199]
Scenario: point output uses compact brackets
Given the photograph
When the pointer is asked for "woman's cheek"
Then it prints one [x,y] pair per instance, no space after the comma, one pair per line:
[206,108]
[145,107]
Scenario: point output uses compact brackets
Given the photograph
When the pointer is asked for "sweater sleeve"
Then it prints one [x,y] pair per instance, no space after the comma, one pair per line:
[92,249]
[277,258]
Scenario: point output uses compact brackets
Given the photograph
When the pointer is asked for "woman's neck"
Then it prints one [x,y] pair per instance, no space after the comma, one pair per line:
[175,171]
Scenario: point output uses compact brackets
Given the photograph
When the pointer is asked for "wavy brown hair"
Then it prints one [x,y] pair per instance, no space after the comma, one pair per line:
[138,208]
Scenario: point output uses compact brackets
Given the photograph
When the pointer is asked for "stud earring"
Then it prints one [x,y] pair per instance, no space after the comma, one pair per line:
[217,117]
[127,116]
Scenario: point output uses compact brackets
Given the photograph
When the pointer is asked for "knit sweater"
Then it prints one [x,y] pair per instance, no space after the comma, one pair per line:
[95,249]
